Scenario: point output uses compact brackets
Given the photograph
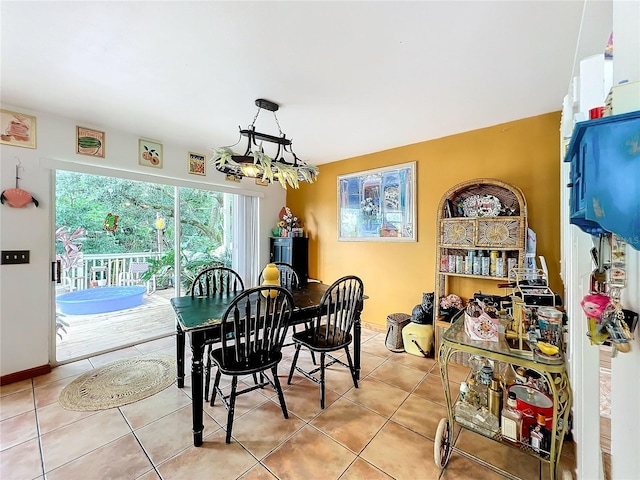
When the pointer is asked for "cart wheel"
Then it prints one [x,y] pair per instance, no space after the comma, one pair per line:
[442,443]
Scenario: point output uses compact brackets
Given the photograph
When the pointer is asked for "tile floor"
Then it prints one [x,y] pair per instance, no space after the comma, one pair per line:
[382,430]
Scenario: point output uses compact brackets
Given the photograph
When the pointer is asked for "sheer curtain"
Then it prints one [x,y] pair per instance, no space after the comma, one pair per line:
[246,248]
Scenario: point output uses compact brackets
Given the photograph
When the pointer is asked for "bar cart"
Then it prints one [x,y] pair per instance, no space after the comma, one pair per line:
[553,371]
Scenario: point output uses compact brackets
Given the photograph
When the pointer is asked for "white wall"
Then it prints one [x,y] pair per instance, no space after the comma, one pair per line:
[26,291]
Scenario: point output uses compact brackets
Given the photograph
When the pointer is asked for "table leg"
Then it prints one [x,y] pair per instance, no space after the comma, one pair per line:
[180,356]
[197,348]
[357,334]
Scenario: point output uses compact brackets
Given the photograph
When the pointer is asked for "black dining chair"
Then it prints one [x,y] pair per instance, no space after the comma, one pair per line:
[252,332]
[290,280]
[289,277]
[331,330]
[214,281]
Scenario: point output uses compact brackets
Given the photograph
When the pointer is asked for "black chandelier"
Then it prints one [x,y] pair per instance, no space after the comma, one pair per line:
[284,166]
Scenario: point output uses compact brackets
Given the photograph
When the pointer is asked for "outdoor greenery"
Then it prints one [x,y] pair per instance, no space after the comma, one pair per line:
[84,201]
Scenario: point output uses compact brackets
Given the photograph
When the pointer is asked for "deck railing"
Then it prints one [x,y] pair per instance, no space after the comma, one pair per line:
[101,269]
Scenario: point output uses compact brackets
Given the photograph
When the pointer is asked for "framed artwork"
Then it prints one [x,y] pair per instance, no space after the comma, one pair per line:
[149,153]
[378,205]
[17,129]
[197,163]
[90,142]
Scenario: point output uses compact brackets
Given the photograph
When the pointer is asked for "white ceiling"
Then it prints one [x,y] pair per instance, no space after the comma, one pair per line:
[351,77]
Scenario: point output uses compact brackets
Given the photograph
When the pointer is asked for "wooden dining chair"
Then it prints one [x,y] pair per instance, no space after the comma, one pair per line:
[289,277]
[214,281]
[331,330]
[252,330]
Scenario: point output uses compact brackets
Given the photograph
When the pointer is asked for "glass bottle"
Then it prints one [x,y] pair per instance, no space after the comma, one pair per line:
[477,263]
[540,436]
[511,420]
[494,398]
[507,376]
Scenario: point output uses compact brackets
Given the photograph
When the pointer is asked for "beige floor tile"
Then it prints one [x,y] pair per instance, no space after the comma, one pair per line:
[150,475]
[55,416]
[264,428]
[376,347]
[18,429]
[171,434]
[349,424]
[416,453]
[338,379]
[457,373]
[145,411]
[503,457]
[63,371]
[399,376]
[122,458]
[214,459]
[368,363]
[68,443]
[21,461]
[378,396]
[420,363]
[16,403]
[50,392]
[16,387]
[420,415]
[431,389]
[244,403]
[105,358]
[303,399]
[259,472]
[360,470]
[324,459]
[460,467]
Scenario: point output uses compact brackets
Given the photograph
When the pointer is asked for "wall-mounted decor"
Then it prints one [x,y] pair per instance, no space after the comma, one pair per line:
[262,183]
[378,205]
[149,153]
[18,129]
[229,177]
[197,162]
[90,142]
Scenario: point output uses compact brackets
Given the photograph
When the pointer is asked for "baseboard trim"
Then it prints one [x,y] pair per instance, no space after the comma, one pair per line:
[374,326]
[25,374]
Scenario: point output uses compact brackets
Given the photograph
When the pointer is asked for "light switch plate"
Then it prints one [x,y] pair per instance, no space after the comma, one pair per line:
[14,257]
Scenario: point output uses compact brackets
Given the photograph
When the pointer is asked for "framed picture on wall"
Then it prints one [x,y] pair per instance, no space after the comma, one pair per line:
[90,142]
[17,129]
[149,153]
[378,205]
[197,163]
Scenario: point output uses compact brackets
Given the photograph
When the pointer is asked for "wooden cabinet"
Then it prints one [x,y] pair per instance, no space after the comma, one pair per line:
[475,217]
[292,250]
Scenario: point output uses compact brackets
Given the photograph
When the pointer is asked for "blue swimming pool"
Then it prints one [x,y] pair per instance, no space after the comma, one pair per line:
[100,300]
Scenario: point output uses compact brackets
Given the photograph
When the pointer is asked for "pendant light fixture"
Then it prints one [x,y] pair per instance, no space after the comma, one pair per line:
[284,166]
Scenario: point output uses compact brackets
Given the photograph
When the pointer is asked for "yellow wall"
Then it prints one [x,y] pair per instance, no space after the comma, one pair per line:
[524,153]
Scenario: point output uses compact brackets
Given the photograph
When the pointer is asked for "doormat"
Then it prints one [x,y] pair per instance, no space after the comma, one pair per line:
[119,383]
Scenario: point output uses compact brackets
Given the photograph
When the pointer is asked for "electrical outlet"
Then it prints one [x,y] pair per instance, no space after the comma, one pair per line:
[14,257]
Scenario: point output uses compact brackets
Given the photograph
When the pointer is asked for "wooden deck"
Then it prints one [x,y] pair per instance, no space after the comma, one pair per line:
[88,335]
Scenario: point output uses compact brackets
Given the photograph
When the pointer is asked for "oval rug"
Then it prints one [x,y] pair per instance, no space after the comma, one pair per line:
[119,383]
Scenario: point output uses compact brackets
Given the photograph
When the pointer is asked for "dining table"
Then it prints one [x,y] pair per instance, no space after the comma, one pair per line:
[200,318]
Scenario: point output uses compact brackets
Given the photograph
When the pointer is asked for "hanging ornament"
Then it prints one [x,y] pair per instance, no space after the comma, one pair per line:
[111,222]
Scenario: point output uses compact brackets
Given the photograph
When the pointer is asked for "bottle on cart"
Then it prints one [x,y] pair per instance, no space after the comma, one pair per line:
[495,398]
[511,420]
[540,436]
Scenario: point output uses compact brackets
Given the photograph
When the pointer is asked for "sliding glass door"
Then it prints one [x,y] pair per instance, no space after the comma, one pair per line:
[117,244]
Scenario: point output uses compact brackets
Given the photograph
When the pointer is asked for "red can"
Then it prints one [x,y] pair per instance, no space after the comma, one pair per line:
[597,112]
[531,402]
